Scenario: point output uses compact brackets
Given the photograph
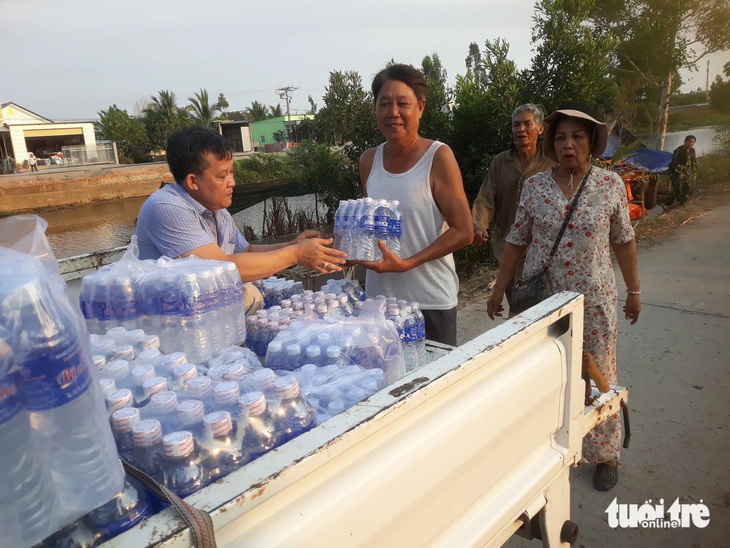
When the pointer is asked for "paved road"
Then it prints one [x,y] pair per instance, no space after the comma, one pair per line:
[676,363]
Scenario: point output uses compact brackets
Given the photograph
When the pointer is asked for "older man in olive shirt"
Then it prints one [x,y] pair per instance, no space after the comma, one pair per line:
[495,206]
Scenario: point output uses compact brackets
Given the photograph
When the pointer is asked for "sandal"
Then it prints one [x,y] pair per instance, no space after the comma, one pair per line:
[606,476]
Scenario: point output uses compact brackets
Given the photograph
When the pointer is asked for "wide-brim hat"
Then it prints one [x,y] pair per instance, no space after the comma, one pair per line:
[575,110]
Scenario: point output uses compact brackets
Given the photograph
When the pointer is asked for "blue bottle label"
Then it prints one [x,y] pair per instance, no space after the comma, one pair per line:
[9,401]
[394,226]
[367,222]
[381,222]
[53,379]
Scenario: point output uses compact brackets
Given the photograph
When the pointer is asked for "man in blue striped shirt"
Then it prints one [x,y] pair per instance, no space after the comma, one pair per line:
[190,217]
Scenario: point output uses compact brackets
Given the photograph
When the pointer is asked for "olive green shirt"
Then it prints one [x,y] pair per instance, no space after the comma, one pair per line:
[496,203]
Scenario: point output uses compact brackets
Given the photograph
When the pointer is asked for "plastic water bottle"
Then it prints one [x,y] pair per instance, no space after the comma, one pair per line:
[119,399]
[210,304]
[183,374]
[410,339]
[293,358]
[28,501]
[258,428]
[123,300]
[123,421]
[148,454]
[295,415]
[140,374]
[120,372]
[170,306]
[123,512]
[421,333]
[237,310]
[395,228]
[182,472]
[163,407]
[150,387]
[226,397]
[339,225]
[382,219]
[194,329]
[201,388]
[349,229]
[190,416]
[224,453]
[366,231]
[275,355]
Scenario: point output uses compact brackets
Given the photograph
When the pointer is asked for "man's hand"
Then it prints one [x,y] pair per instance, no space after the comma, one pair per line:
[481,236]
[306,235]
[389,263]
[313,252]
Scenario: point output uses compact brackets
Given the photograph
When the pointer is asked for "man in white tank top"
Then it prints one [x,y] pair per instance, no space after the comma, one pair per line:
[424,177]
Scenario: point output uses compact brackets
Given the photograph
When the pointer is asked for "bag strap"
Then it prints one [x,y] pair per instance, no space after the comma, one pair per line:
[199,522]
[572,206]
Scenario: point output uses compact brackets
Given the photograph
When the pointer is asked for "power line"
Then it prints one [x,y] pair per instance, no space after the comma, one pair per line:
[286,93]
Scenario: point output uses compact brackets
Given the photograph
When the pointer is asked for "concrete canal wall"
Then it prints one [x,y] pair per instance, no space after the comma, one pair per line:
[72,186]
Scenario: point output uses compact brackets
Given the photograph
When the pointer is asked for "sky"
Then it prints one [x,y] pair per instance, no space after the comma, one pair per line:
[69,60]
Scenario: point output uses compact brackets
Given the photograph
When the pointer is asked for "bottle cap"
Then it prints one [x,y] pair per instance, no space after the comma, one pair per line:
[104,347]
[263,379]
[313,351]
[226,393]
[123,420]
[287,388]
[190,412]
[117,369]
[293,350]
[174,359]
[333,351]
[150,356]
[178,444]
[153,386]
[147,433]
[185,372]
[124,352]
[119,399]
[143,373]
[199,387]
[218,423]
[149,342]
[99,362]
[234,372]
[117,333]
[323,340]
[275,347]
[134,336]
[107,386]
[164,402]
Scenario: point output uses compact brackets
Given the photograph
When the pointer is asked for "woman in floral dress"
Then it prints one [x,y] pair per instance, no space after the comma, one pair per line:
[582,261]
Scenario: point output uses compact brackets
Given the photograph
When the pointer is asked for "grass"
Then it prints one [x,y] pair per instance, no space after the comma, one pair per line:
[261,168]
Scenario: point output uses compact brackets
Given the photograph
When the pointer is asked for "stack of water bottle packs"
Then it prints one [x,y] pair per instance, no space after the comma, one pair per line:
[58,460]
[191,305]
[361,223]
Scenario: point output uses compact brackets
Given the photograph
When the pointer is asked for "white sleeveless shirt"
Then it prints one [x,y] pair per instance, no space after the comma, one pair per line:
[433,284]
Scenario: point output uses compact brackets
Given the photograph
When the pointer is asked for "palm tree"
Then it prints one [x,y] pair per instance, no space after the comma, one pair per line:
[203,113]
[275,111]
[163,117]
[257,112]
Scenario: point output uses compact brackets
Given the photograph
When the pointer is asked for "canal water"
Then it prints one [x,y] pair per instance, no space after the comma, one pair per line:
[106,225]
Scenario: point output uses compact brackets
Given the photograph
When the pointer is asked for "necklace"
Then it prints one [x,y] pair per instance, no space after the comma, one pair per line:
[569,186]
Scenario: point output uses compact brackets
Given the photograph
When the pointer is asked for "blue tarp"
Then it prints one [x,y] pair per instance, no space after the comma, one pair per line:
[655,161]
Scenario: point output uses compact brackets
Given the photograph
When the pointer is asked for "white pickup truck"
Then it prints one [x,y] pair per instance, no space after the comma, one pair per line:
[465,451]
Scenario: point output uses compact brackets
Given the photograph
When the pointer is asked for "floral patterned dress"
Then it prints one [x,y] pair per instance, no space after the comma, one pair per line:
[582,263]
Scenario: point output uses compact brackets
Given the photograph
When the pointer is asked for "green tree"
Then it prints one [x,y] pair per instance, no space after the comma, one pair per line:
[660,37]
[348,114]
[572,59]
[163,117]
[280,136]
[484,100]
[257,112]
[222,103]
[435,121]
[202,112]
[720,91]
[275,111]
[312,105]
[129,133]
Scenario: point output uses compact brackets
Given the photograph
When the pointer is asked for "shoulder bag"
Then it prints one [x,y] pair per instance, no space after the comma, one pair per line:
[527,292]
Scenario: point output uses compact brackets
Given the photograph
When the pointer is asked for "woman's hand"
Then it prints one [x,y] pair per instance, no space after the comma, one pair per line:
[494,304]
[632,308]
[389,263]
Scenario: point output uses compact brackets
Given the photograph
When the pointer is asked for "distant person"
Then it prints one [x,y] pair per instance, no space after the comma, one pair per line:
[496,203]
[582,261]
[190,216]
[424,177]
[32,162]
[681,171]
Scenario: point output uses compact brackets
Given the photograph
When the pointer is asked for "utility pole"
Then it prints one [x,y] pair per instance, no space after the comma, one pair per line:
[286,93]
[707,79]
